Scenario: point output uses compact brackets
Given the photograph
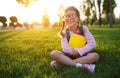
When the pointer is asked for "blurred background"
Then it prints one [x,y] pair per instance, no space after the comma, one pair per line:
[49,13]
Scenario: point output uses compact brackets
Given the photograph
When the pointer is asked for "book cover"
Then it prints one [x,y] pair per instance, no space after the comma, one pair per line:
[77,41]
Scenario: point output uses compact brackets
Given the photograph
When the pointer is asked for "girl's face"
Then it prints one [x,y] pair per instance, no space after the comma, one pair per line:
[71,18]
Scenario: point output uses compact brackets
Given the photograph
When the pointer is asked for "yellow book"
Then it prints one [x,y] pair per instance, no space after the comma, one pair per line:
[77,41]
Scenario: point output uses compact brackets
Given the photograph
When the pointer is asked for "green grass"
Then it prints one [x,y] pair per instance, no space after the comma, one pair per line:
[26,54]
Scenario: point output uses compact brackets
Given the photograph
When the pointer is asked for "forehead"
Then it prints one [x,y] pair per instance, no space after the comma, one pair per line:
[70,12]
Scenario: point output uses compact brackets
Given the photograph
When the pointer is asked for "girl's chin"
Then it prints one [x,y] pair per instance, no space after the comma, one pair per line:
[70,26]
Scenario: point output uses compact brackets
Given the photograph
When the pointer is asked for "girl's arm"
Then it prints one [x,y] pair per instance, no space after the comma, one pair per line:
[64,43]
[90,42]
[74,51]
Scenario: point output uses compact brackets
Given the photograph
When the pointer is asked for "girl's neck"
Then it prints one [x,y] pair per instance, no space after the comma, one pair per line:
[73,28]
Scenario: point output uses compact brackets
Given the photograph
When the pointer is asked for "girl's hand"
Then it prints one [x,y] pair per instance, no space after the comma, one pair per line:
[62,34]
[75,53]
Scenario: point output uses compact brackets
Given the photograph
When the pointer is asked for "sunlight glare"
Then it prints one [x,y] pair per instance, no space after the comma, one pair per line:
[35,11]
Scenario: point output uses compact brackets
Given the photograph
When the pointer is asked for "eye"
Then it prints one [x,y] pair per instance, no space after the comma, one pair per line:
[73,15]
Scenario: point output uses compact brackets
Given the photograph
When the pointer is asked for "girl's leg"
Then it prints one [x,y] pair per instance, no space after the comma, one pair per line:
[84,61]
[62,59]
[87,59]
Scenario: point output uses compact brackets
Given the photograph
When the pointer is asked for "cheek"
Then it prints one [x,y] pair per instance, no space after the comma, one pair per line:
[76,21]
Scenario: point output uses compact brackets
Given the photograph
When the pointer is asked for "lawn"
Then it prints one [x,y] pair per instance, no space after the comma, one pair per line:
[26,54]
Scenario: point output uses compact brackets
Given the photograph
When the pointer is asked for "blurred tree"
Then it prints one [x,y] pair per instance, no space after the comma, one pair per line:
[3,20]
[26,3]
[94,17]
[55,24]
[26,25]
[61,14]
[89,11]
[93,14]
[117,20]
[99,2]
[14,22]
[45,19]
[108,8]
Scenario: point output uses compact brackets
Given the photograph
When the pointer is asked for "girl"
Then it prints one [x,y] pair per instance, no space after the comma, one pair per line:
[77,57]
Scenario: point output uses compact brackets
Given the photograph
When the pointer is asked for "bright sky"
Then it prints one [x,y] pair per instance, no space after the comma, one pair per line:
[12,8]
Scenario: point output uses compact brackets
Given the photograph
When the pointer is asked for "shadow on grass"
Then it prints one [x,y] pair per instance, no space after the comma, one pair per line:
[8,34]
[71,72]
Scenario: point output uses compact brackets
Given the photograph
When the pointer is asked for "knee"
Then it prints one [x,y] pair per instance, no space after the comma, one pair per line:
[95,56]
[54,53]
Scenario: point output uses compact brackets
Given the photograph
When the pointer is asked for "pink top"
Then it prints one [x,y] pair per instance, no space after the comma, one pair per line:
[87,48]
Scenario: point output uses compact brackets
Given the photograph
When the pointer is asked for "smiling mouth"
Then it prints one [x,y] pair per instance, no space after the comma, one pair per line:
[70,21]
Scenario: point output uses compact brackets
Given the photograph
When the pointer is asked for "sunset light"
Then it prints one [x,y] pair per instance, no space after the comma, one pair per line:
[35,11]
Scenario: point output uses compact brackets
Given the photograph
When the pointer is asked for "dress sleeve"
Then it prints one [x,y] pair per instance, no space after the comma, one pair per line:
[91,44]
[65,46]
